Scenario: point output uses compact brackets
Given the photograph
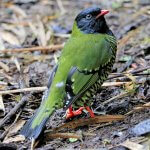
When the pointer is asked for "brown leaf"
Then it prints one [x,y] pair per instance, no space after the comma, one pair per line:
[89,121]
[17,127]
[17,138]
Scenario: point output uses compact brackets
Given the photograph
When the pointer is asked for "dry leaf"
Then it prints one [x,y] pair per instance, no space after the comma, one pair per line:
[89,121]
[4,66]
[9,37]
[17,138]
[41,33]
[16,127]
[18,30]
[132,145]
[16,63]
[18,11]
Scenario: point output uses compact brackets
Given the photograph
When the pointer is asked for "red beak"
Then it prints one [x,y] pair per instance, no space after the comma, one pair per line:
[102,13]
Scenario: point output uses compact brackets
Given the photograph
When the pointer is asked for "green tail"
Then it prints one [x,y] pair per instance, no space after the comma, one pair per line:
[37,122]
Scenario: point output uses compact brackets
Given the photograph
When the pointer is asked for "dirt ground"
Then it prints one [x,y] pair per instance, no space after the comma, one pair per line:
[41,23]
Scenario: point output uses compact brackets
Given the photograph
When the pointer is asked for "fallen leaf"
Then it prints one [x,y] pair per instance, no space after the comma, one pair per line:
[18,10]
[4,66]
[132,145]
[17,126]
[89,121]
[17,138]
[9,37]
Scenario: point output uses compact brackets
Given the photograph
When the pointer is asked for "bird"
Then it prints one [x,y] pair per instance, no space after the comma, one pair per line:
[85,63]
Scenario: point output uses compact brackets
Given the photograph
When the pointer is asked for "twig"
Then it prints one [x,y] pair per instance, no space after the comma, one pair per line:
[2,136]
[132,72]
[61,35]
[14,110]
[33,89]
[141,74]
[105,84]
[147,105]
[100,126]
[135,74]
[108,84]
[24,90]
[39,48]
[116,97]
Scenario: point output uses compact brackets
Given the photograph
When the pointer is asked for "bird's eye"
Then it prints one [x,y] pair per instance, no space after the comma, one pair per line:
[88,16]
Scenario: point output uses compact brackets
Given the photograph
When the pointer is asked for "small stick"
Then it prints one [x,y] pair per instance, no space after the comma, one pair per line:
[31,49]
[138,108]
[105,84]
[32,89]
[24,90]
[132,72]
[14,110]
[2,136]
[116,97]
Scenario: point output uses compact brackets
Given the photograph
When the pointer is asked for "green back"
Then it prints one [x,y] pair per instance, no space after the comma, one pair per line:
[86,52]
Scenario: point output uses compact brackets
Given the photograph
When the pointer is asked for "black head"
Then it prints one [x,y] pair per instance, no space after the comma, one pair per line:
[91,20]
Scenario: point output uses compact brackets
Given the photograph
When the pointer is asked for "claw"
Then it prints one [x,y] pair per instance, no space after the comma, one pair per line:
[70,113]
[90,111]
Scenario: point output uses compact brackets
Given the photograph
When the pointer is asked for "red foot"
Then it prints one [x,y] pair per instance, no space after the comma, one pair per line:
[90,111]
[70,113]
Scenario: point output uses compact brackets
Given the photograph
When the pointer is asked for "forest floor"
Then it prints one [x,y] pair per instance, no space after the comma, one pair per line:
[32,35]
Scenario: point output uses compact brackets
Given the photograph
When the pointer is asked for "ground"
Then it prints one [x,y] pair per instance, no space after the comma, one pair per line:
[37,23]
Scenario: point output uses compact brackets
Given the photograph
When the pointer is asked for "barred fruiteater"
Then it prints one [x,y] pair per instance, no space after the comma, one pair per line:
[86,60]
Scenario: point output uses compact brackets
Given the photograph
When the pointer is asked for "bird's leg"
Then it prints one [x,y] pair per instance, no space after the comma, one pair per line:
[70,113]
[90,111]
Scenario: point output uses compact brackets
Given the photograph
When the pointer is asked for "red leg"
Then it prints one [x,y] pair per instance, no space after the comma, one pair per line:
[70,113]
[90,111]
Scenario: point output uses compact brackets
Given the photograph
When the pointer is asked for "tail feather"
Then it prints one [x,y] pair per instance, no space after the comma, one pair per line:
[36,124]
[33,132]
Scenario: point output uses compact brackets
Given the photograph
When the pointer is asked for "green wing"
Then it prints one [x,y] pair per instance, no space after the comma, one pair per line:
[85,74]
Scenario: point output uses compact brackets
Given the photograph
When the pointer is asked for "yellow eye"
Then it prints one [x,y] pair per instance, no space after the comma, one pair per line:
[88,16]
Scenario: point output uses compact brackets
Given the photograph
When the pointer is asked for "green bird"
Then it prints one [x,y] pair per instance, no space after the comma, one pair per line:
[86,60]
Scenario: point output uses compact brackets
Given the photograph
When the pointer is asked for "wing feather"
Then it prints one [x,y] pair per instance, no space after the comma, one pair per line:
[80,81]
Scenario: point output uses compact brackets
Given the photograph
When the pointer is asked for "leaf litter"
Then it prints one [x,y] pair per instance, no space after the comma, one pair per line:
[33,32]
